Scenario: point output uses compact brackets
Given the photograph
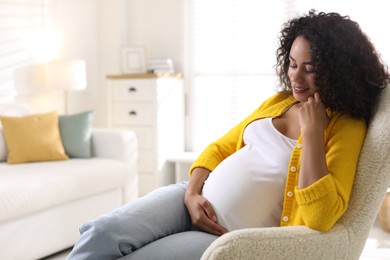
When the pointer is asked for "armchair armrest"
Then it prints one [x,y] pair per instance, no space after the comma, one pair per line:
[296,242]
[117,144]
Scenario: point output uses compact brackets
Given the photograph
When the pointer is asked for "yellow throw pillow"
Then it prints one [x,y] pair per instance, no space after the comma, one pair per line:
[33,138]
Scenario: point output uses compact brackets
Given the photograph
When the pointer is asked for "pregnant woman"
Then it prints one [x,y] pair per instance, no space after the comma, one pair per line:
[291,162]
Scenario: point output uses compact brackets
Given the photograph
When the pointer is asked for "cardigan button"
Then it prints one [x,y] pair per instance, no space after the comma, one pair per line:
[285,219]
[289,194]
[293,169]
[299,146]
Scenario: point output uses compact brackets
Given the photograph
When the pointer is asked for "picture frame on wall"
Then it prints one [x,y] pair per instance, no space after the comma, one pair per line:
[133,60]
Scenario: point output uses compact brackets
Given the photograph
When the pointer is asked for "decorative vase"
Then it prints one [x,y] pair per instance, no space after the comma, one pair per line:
[384,212]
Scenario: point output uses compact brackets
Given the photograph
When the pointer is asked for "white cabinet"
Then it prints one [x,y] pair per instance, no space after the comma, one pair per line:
[153,107]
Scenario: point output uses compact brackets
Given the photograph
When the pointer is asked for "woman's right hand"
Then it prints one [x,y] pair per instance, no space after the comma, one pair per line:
[202,214]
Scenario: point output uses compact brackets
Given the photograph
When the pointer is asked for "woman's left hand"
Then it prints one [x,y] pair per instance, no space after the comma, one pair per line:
[312,114]
[313,121]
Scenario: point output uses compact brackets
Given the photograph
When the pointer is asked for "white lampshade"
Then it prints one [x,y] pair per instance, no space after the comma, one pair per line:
[64,75]
[61,74]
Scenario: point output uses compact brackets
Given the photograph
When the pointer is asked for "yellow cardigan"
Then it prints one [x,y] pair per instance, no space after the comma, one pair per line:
[321,204]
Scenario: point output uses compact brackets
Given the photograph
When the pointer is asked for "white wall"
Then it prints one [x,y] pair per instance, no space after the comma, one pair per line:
[96,30]
[74,27]
[158,25]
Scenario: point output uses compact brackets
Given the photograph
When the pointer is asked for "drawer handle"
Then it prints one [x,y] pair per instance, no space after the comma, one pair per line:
[132,89]
[132,113]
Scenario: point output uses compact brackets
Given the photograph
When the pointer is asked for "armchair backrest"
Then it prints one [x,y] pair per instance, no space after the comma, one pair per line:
[372,178]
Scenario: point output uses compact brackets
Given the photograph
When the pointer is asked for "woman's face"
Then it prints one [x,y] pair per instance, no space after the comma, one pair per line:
[301,70]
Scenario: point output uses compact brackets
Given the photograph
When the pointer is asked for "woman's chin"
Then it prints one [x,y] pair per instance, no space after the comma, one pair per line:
[301,97]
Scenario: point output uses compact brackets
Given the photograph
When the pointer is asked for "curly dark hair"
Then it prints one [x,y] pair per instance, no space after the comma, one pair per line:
[349,73]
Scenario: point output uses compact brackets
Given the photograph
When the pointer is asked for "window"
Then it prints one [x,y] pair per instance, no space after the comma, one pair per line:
[231,48]
[232,45]
[22,25]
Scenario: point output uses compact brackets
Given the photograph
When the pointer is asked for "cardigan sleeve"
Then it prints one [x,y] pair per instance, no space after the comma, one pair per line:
[323,203]
[217,151]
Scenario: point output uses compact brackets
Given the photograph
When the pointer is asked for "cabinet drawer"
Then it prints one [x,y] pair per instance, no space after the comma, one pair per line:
[134,114]
[133,90]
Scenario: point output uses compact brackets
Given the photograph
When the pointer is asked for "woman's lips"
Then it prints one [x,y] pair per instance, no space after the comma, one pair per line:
[299,90]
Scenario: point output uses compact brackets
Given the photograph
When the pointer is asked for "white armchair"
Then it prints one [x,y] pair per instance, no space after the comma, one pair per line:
[347,238]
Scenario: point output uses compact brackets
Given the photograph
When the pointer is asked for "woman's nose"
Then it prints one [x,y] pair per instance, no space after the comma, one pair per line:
[297,75]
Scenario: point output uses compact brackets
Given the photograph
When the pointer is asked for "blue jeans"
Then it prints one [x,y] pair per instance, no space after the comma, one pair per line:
[155,216]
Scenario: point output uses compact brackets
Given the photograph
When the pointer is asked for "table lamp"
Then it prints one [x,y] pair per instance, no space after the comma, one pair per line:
[65,75]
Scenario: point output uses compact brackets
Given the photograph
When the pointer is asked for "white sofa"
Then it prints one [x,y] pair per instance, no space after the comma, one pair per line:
[42,204]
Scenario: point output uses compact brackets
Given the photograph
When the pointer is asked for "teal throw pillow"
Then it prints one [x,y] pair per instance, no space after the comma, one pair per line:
[76,133]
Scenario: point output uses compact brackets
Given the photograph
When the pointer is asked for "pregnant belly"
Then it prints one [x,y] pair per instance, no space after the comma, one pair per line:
[246,190]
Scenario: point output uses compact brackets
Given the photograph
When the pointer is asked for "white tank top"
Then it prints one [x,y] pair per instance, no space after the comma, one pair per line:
[246,189]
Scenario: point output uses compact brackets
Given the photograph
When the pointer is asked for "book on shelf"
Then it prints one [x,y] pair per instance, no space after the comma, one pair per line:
[161,66]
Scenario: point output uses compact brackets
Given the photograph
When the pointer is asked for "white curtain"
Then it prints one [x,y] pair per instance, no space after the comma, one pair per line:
[231,48]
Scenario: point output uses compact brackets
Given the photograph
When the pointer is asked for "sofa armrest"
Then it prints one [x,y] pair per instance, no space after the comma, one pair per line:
[117,144]
[296,242]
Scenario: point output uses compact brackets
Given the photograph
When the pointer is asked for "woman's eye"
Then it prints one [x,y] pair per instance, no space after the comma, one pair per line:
[310,69]
[293,65]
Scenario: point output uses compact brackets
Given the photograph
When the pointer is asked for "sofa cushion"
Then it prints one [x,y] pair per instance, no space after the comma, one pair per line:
[27,188]
[33,138]
[76,131]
